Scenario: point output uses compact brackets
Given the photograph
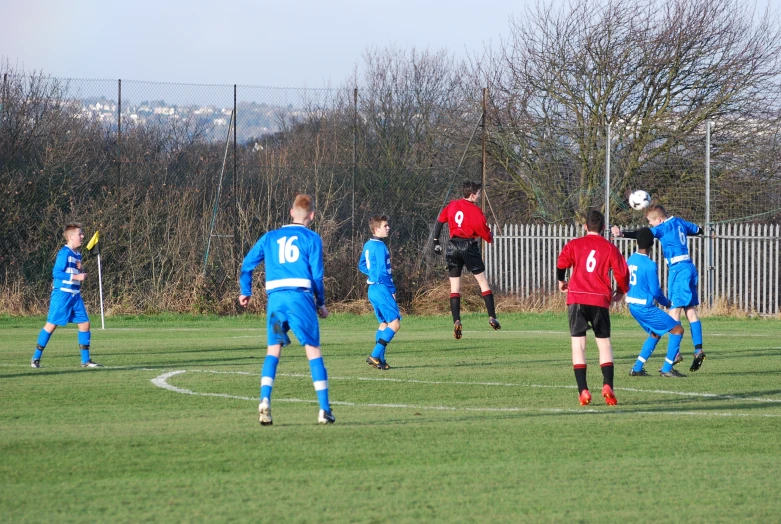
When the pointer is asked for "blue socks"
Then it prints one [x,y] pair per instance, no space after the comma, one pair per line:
[383,339]
[267,376]
[320,381]
[672,349]
[648,348]
[696,328]
[43,339]
[84,340]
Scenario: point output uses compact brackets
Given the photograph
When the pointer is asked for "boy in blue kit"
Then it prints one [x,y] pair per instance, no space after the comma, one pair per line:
[643,291]
[296,297]
[375,263]
[66,304]
[682,278]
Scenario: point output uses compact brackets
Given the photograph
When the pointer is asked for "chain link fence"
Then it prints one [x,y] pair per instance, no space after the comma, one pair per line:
[181,180]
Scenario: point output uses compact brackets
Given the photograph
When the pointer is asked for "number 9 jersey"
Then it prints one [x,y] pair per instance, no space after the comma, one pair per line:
[465,220]
[591,258]
[294,261]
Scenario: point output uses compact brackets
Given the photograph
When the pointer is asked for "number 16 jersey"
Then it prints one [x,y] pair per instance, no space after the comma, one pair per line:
[591,258]
[294,260]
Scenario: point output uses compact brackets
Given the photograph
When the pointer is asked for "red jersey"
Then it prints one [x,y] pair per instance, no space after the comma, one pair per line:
[465,220]
[591,258]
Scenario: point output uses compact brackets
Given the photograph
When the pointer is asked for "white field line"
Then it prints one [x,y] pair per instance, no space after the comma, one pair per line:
[161,381]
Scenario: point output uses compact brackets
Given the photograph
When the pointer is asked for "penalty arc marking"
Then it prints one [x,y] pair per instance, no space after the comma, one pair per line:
[161,381]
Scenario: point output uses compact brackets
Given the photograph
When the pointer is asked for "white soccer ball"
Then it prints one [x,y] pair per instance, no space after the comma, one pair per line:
[639,200]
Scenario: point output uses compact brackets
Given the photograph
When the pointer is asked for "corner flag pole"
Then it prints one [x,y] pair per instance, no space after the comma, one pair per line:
[92,246]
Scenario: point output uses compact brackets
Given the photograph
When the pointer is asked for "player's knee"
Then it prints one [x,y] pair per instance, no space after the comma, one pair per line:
[654,335]
[677,330]
[395,325]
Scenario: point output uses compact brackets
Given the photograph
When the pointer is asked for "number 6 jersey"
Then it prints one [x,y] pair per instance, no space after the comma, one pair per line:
[591,258]
[294,260]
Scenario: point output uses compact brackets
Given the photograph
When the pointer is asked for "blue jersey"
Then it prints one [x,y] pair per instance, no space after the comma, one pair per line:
[644,282]
[67,264]
[375,263]
[294,260]
[672,234]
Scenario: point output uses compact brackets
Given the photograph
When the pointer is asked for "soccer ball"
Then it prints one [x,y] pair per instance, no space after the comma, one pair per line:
[639,200]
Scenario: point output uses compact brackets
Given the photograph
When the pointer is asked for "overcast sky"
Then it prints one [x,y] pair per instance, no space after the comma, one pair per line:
[299,43]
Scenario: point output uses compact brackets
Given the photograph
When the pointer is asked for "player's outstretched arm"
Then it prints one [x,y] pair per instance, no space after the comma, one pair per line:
[437,232]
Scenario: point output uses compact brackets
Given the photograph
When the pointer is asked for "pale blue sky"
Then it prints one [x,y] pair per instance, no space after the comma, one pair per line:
[304,43]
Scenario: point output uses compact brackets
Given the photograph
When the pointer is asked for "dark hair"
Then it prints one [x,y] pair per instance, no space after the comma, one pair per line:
[376,221]
[595,221]
[470,187]
[645,239]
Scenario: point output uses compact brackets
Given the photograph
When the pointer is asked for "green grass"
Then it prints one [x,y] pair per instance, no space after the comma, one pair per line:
[483,429]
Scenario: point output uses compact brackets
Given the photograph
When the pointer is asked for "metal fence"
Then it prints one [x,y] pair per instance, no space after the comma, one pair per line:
[173,172]
[739,264]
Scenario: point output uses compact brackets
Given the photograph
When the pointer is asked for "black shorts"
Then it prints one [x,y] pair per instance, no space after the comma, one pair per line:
[582,318]
[464,252]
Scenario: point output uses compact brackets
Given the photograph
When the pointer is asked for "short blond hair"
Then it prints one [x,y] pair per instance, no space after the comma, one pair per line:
[656,211]
[70,226]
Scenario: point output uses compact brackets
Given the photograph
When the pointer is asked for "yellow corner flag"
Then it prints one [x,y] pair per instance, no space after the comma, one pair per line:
[93,243]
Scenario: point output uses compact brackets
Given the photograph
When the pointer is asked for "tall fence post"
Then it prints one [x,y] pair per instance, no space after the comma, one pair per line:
[235,183]
[708,230]
[607,180]
[355,164]
[119,142]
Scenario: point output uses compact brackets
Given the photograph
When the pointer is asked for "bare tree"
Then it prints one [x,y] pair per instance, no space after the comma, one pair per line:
[655,70]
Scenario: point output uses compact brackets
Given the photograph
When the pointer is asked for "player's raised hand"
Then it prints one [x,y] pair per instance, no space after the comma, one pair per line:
[243,300]
[615,231]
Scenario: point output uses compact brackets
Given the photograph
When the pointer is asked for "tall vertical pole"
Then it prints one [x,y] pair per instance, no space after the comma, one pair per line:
[709,244]
[235,183]
[355,162]
[119,142]
[607,179]
[235,157]
[485,141]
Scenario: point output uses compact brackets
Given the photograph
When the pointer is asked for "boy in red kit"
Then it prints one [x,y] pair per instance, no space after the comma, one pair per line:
[467,223]
[589,293]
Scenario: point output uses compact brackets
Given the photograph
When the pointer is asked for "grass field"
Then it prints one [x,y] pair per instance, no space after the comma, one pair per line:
[483,429]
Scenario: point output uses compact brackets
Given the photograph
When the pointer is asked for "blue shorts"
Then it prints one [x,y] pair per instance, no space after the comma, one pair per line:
[652,319]
[682,285]
[65,308]
[385,307]
[287,310]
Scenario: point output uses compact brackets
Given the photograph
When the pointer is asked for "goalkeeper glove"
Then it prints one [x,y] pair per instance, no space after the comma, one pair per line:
[437,247]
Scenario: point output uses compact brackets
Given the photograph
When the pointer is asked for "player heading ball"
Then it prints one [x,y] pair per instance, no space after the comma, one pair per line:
[467,224]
